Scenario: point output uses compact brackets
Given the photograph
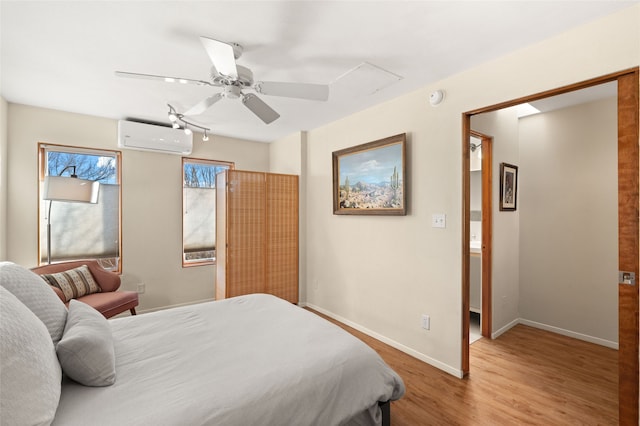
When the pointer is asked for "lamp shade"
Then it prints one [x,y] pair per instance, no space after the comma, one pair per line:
[61,188]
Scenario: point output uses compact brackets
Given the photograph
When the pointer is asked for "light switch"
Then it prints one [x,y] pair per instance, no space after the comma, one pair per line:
[439,220]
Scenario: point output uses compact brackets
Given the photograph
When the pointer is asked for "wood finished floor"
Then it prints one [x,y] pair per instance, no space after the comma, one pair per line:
[526,376]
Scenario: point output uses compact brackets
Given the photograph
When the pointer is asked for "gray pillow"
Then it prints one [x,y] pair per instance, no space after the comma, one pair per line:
[86,348]
[30,374]
[37,295]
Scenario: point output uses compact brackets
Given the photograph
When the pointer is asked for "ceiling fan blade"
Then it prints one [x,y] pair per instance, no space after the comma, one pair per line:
[259,108]
[314,92]
[222,56]
[162,78]
[203,105]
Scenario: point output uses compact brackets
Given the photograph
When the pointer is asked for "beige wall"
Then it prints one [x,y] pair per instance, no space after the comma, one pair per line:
[3,178]
[569,220]
[381,273]
[151,199]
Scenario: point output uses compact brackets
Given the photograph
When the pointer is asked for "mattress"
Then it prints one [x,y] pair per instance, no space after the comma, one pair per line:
[248,360]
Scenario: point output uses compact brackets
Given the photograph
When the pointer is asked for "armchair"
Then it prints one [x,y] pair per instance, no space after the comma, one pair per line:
[109,301]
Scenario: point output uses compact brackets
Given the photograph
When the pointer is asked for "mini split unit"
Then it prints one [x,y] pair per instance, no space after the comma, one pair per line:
[149,137]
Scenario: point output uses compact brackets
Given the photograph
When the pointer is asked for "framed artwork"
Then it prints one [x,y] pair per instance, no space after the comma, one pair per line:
[508,187]
[370,179]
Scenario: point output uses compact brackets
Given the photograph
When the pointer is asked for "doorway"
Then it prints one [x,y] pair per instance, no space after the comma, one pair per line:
[628,229]
[480,228]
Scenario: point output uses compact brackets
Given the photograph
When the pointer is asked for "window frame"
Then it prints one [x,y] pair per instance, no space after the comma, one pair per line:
[43,148]
[209,162]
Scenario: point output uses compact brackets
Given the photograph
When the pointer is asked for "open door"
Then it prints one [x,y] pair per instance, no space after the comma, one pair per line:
[628,236]
[628,231]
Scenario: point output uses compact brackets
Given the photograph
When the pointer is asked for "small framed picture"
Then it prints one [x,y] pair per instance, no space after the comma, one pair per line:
[508,187]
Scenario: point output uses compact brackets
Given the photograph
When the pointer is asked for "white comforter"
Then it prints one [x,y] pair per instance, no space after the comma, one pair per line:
[250,360]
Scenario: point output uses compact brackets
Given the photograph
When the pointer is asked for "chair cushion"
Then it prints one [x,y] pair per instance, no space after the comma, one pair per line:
[113,302]
[74,283]
[39,297]
[29,369]
[86,349]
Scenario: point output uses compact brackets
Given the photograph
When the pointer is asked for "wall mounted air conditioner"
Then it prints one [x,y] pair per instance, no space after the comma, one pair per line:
[147,137]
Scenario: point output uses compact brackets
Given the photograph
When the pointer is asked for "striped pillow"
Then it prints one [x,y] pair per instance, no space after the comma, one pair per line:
[73,283]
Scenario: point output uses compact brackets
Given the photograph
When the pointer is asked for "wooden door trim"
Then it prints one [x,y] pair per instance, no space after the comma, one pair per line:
[628,141]
[466,227]
[487,232]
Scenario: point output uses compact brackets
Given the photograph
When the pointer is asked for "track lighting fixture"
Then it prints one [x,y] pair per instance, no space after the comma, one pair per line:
[178,121]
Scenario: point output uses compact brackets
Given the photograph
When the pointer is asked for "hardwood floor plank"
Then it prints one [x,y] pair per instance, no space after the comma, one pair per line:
[527,376]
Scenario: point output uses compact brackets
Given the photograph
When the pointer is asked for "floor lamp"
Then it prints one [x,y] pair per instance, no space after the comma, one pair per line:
[67,189]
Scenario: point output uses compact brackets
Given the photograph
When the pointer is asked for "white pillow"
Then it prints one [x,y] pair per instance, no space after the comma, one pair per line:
[86,348]
[37,295]
[30,374]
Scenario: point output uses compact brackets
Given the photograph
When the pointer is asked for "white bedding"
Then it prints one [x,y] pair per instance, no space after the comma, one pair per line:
[250,360]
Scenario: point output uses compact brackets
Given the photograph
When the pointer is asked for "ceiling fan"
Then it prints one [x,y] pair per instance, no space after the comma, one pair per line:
[234,79]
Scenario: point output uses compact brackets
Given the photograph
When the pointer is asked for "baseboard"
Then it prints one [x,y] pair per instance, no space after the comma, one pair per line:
[569,333]
[504,329]
[162,308]
[557,330]
[440,365]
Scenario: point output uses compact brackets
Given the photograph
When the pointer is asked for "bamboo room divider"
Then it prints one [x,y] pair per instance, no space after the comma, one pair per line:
[257,234]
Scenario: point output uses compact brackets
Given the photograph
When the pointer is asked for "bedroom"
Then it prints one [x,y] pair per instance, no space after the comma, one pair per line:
[429,259]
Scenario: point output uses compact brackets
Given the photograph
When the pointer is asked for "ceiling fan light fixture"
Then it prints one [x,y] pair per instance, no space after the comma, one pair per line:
[187,131]
[233,78]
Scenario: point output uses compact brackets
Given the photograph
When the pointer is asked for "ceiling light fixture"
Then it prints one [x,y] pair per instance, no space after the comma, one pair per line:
[179,121]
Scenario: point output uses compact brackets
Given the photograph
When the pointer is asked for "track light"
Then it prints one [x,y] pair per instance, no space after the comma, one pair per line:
[178,120]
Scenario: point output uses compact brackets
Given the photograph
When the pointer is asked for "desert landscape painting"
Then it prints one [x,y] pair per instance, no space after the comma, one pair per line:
[371,178]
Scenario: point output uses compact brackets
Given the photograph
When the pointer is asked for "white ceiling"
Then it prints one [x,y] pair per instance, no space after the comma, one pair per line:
[63,54]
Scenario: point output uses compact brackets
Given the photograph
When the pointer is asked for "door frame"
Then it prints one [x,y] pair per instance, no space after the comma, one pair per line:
[486,143]
[628,227]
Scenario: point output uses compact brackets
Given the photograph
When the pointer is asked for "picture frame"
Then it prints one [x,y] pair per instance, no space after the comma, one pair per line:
[508,187]
[370,179]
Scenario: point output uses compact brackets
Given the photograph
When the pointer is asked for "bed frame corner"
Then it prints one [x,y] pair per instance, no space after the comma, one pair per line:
[385,408]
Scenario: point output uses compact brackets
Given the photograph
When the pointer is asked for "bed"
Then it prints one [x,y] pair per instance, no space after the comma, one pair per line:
[249,360]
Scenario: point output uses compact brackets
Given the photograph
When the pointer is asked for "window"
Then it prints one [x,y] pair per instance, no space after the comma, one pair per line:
[199,210]
[81,230]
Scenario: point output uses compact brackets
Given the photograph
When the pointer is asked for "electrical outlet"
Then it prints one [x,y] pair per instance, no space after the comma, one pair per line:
[141,288]
[439,220]
[425,321]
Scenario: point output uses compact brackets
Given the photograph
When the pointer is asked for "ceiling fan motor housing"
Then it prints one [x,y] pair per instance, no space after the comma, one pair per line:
[232,92]
[244,79]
